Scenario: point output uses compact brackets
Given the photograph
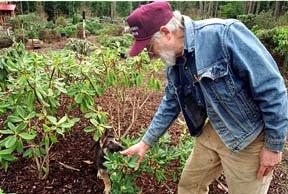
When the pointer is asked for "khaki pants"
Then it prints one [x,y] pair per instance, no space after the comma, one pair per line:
[210,157]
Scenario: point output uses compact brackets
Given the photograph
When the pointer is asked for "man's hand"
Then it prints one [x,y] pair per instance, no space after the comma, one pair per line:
[268,160]
[139,148]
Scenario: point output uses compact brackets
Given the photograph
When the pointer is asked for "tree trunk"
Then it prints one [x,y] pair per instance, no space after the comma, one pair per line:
[28,8]
[246,7]
[258,7]
[201,7]
[113,10]
[206,4]
[21,7]
[253,7]
[250,10]
[277,9]
[210,9]
[130,6]
[215,9]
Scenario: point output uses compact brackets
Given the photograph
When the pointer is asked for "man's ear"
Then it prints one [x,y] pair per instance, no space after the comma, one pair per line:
[166,32]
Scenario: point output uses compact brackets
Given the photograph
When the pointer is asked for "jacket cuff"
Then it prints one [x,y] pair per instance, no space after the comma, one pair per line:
[276,145]
[149,139]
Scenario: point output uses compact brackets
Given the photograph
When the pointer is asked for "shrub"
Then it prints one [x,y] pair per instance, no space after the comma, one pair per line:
[283,20]
[93,26]
[248,20]
[231,10]
[265,20]
[60,21]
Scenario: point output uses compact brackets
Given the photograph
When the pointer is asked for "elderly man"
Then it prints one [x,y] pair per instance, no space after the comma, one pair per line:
[217,70]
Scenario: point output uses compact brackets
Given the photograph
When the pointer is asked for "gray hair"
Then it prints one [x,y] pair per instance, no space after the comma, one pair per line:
[173,25]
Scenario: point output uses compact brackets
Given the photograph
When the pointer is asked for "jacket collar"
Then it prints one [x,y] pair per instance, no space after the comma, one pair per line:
[189,35]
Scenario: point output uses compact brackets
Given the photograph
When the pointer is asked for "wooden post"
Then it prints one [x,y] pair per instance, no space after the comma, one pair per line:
[83,17]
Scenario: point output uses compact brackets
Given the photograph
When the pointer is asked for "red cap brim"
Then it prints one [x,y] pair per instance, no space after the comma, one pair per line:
[138,46]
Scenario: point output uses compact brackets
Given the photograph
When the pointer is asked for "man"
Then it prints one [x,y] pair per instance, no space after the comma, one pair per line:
[216,69]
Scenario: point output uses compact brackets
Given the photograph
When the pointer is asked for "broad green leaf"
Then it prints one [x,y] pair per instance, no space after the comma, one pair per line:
[4,105]
[7,151]
[89,129]
[47,141]
[133,161]
[19,146]
[11,126]
[53,138]
[10,141]
[78,98]
[138,80]
[28,153]
[31,115]
[96,137]
[15,119]
[27,136]
[53,120]
[21,127]
[47,128]
[67,125]
[60,131]
[4,164]
[9,158]
[94,122]
[6,132]
[90,115]
[62,120]
[20,111]
[75,120]
[30,102]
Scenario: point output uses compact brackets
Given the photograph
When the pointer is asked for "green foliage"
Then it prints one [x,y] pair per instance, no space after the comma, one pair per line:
[82,47]
[157,160]
[99,122]
[283,20]
[76,19]
[92,26]
[248,20]
[281,39]
[276,40]
[69,30]
[109,29]
[35,84]
[231,9]
[1,191]
[61,21]
[264,20]
[117,41]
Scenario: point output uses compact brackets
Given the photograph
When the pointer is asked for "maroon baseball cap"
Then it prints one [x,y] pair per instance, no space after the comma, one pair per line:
[145,21]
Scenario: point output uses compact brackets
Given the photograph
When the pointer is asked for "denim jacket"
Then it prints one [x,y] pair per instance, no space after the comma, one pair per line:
[235,83]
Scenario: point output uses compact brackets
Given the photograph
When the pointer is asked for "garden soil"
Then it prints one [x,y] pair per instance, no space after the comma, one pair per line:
[73,169]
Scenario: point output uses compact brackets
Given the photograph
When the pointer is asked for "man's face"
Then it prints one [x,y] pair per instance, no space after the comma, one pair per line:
[167,54]
[165,51]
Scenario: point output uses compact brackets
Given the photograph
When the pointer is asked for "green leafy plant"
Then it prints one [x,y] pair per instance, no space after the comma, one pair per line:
[83,47]
[281,39]
[99,122]
[157,160]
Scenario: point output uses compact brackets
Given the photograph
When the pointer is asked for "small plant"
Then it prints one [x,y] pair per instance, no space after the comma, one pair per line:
[281,39]
[82,47]
[122,169]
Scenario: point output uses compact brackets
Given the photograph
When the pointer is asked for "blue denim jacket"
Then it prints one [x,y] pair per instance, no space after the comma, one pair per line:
[236,78]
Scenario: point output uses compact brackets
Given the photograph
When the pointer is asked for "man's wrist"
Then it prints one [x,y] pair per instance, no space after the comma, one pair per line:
[145,145]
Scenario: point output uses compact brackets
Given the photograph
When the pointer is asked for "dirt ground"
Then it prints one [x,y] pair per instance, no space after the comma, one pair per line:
[76,150]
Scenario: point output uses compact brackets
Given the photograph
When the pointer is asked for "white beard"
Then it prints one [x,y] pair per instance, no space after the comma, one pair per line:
[168,56]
